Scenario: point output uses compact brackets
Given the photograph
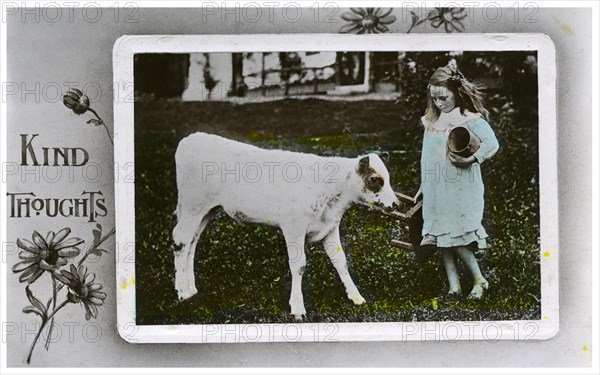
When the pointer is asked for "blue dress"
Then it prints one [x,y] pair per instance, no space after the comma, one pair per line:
[453,196]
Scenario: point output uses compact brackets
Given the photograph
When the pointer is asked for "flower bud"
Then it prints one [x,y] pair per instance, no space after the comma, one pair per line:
[77,101]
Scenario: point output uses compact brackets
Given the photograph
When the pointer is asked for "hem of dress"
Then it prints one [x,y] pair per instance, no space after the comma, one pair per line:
[469,239]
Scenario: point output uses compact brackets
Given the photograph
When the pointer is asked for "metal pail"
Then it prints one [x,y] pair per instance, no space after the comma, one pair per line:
[463,142]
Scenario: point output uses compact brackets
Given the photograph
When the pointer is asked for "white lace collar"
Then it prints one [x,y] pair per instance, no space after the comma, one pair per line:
[451,119]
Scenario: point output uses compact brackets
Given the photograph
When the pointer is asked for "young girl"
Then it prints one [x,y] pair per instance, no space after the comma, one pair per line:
[451,185]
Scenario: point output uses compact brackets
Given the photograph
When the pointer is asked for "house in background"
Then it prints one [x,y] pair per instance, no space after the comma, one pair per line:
[220,76]
[254,76]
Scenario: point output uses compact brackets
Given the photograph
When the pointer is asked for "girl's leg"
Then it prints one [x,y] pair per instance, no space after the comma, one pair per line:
[449,258]
[479,282]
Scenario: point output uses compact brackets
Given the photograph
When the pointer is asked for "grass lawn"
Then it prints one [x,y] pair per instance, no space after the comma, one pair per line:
[242,270]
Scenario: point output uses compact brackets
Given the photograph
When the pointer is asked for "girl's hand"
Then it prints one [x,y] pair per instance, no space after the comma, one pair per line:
[461,161]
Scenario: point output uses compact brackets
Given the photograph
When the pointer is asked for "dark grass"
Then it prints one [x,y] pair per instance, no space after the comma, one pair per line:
[242,272]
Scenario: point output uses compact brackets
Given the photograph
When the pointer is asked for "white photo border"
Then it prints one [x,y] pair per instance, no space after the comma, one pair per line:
[518,330]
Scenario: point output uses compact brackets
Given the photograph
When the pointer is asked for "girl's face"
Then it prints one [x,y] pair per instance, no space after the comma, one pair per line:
[443,98]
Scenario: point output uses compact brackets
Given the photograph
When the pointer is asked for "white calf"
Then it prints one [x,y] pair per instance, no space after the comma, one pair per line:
[303,194]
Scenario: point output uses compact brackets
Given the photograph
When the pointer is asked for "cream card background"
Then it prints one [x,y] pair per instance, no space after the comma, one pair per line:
[80,51]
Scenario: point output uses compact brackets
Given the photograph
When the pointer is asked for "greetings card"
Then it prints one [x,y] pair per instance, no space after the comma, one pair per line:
[192,176]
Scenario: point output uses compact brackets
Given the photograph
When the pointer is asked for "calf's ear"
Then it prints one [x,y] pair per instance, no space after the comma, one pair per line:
[384,156]
[363,164]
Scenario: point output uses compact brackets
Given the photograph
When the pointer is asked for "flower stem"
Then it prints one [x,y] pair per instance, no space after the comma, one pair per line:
[103,124]
[54,292]
[87,253]
[37,335]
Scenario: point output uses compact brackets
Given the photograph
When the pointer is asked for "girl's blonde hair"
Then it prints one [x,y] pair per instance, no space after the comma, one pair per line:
[466,95]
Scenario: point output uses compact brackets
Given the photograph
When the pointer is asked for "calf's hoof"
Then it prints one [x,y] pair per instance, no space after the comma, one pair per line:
[299,313]
[298,317]
[184,294]
[357,299]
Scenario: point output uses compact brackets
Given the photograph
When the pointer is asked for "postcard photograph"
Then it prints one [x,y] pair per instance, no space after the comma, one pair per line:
[336,186]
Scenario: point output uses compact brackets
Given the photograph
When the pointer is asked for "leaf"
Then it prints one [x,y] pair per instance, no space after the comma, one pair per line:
[96,122]
[97,235]
[31,309]
[415,19]
[37,305]
[98,252]
[34,301]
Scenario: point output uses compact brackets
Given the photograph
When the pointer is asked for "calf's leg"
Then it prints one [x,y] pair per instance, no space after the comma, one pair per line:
[333,248]
[191,277]
[185,235]
[297,260]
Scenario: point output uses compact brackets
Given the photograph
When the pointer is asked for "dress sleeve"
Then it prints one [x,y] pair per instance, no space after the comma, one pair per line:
[489,143]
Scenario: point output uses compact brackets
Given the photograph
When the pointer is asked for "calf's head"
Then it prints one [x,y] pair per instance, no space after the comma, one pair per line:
[375,180]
